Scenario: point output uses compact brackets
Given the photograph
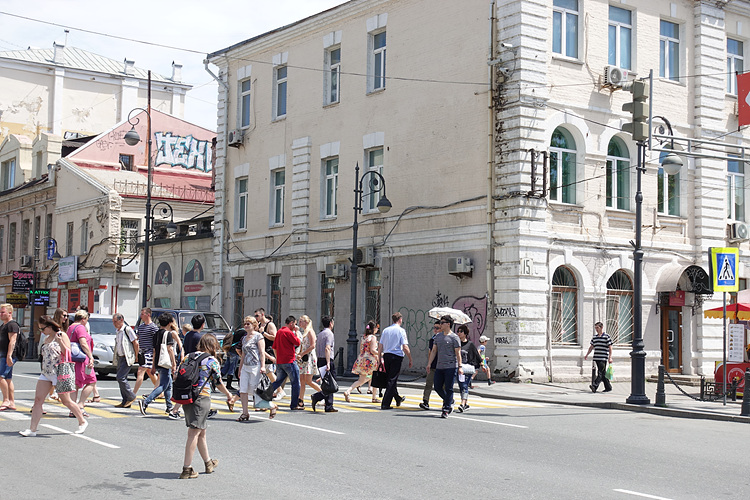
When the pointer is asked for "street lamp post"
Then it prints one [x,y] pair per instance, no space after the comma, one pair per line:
[52,254]
[671,164]
[377,185]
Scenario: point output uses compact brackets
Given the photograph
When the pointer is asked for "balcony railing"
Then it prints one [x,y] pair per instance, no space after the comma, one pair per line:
[129,188]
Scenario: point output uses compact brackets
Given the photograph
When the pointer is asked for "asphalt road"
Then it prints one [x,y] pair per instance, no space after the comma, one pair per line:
[498,449]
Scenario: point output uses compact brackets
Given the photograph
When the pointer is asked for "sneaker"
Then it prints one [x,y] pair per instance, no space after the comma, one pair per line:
[460,408]
[28,433]
[188,473]
[399,400]
[212,413]
[211,465]
[174,415]
[142,406]
[444,414]
[424,406]
[82,428]
[490,382]
[466,407]
[450,410]
[280,395]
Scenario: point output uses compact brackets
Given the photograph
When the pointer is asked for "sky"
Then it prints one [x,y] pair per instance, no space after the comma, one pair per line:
[200,27]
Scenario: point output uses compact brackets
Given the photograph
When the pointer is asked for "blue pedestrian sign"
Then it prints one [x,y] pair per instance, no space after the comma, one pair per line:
[723,267]
[51,248]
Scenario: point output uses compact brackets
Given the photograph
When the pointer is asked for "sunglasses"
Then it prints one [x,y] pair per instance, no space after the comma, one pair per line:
[436,325]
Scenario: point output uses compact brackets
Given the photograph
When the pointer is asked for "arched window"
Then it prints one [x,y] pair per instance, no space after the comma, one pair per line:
[619,322]
[562,167]
[618,175]
[564,307]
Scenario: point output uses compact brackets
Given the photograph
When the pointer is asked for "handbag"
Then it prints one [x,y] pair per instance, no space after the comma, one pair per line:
[265,388]
[76,354]
[66,376]
[329,385]
[379,378]
[164,360]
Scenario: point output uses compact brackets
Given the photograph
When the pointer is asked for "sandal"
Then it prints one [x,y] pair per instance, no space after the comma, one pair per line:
[358,390]
[346,397]
[301,404]
[95,399]
[272,414]
[230,405]
[369,391]
[376,400]
[244,418]
[55,397]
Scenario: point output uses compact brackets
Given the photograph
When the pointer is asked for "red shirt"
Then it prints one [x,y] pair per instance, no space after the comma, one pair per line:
[286,341]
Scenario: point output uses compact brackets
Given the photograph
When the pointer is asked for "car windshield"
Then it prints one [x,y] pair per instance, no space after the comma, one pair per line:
[101,326]
[214,322]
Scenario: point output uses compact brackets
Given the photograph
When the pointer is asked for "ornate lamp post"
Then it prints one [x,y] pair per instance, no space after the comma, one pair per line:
[377,185]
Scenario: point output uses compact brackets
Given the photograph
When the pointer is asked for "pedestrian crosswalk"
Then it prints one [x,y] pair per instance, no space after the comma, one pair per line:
[359,403]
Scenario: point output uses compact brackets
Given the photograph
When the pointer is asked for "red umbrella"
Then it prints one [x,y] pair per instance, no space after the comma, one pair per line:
[733,310]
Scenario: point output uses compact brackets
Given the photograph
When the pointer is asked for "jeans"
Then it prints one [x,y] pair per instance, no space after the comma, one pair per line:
[601,368]
[392,364]
[444,379]
[464,386]
[292,371]
[165,386]
[122,379]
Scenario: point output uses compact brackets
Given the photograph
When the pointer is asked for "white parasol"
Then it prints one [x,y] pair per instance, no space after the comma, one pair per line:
[459,317]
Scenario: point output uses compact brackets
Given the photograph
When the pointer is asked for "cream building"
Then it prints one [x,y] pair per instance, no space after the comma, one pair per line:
[499,138]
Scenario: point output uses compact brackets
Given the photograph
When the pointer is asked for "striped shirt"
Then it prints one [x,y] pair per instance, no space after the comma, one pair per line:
[146,337]
[601,345]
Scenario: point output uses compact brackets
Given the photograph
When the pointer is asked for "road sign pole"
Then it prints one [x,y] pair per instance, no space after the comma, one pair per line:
[724,381]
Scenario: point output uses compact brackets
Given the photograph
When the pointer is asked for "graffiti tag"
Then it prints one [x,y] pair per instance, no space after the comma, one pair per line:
[476,309]
[440,300]
[187,152]
[505,312]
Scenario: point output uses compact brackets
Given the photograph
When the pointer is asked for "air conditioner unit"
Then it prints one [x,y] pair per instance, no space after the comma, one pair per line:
[365,256]
[335,270]
[614,76]
[738,231]
[234,138]
[460,265]
[26,261]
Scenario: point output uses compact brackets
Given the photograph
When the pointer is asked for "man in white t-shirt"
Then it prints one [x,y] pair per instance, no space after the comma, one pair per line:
[391,349]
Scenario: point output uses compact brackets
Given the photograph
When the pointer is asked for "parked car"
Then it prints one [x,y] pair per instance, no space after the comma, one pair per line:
[103,333]
[215,323]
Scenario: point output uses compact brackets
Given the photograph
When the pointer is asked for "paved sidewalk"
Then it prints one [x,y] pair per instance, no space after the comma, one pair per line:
[579,394]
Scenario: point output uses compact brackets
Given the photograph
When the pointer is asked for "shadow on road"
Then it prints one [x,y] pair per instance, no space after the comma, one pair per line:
[147,474]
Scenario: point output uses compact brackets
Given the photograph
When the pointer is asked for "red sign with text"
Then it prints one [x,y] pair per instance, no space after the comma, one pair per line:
[743,99]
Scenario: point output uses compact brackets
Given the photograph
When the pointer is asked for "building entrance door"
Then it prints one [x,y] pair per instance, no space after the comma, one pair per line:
[671,339]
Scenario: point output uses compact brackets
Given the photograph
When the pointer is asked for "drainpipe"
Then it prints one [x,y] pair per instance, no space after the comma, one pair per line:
[490,177]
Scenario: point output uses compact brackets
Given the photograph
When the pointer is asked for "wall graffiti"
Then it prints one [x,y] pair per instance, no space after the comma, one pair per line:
[505,312]
[109,140]
[187,152]
[440,300]
[476,309]
[418,328]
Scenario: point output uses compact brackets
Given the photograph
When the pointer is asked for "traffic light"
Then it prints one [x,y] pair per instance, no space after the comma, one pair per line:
[638,128]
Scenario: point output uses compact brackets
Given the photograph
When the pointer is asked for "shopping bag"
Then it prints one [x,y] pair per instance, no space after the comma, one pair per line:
[379,378]
[610,373]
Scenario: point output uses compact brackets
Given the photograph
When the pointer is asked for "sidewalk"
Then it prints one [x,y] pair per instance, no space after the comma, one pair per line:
[579,394]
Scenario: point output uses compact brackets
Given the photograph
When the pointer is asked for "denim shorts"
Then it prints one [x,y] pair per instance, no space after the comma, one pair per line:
[6,371]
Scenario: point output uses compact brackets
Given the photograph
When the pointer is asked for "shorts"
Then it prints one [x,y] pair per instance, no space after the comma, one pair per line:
[48,378]
[146,359]
[6,371]
[196,414]
[249,378]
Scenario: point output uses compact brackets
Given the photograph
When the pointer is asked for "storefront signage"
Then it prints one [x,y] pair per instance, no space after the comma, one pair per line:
[39,297]
[67,269]
[18,300]
[22,281]
[193,288]
[736,343]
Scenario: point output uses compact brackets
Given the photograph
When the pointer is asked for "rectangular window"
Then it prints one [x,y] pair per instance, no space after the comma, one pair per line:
[274,308]
[620,33]
[2,242]
[669,51]
[37,242]
[327,286]
[618,183]
[565,27]
[330,187]
[245,103]
[69,240]
[374,162]
[279,103]
[736,190]
[332,74]
[239,302]
[372,295]
[668,192]
[277,197]
[48,227]
[25,233]
[378,61]
[126,162]
[84,236]
[735,64]
[241,204]
[12,241]
[7,174]
[128,235]
[562,176]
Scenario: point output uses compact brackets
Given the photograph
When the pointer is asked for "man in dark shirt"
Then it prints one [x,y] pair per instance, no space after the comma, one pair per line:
[8,336]
[425,404]
[192,337]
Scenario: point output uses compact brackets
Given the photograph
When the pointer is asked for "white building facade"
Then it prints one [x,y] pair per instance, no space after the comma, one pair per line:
[500,143]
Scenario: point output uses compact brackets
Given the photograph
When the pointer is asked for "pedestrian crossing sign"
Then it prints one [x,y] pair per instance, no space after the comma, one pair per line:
[723,269]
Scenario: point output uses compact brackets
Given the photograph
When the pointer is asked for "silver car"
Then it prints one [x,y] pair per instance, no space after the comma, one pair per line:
[103,333]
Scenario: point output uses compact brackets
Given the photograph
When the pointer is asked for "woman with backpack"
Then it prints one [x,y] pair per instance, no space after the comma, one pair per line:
[206,365]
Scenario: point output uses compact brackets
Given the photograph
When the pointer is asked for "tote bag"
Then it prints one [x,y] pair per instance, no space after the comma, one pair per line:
[164,360]
[379,378]
[66,375]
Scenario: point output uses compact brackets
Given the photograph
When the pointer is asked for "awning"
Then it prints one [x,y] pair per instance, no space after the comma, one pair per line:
[741,310]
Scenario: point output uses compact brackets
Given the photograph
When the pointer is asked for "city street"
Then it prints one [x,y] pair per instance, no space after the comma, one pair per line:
[497,449]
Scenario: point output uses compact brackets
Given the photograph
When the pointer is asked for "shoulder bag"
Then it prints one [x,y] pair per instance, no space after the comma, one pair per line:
[265,388]
[164,360]
[380,378]
[76,353]
[329,385]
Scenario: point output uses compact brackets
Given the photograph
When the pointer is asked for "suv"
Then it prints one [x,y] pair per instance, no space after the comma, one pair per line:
[103,334]
[215,323]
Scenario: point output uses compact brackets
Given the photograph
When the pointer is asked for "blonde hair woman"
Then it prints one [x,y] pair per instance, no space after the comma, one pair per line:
[54,348]
[252,364]
[308,366]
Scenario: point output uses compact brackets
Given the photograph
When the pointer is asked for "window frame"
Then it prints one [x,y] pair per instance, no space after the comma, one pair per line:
[618,29]
[562,38]
[2,242]
[332,76]
[280,91]
[566,189]
[244,99]
[736,184]
[129,235]
[373,286]
[8,174]
[274,298]
[371,199]
[327,295]
[238,313]
[25,236]
[666,44]
[615,172]
[616,296]
[572,337]
[12,238]
[241,208]
[735,64]
[84,236]
[329,187]
[276,216]
[69,233]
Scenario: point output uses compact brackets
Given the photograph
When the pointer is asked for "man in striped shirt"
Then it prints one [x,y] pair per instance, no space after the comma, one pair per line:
[601,344]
